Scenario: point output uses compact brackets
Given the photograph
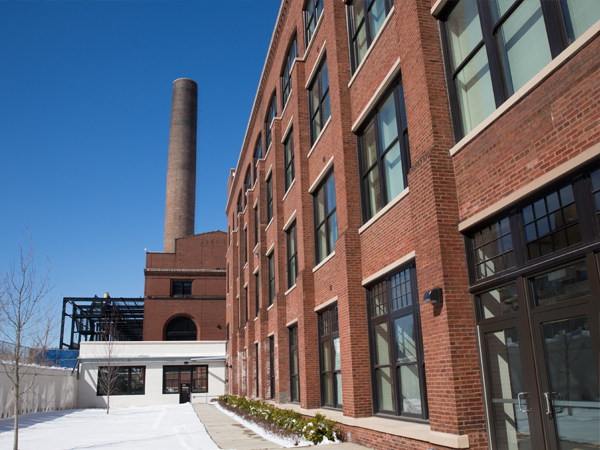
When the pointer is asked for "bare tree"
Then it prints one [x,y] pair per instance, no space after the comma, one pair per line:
[26,318]
[109,372]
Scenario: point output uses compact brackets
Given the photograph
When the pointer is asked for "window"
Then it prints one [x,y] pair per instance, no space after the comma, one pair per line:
[384,154]
[271,261]
[331,363]
[181,329]
[245,248]
[174,376]
[312,11]
[366,17]
[398,370]
[247,185]
[246,299]
[269,199]
[271,367]
[257,156]
[256,225]
[494,47]
[256,293]
[181,288]
[121,380]
[286,73]
[256,368]
[240,208]
[288,160]
[294,366]
[270,117]
[318,102]
[325,218]
[227,278]
[292,255]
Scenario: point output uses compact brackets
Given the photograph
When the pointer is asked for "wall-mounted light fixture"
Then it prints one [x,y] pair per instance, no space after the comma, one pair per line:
[434,296]
[219,326]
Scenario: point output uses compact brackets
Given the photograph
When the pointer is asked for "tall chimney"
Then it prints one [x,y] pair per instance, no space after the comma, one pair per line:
[181,172]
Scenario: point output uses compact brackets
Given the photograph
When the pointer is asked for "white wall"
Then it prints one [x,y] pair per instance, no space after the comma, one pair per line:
[153,356]
[53,388]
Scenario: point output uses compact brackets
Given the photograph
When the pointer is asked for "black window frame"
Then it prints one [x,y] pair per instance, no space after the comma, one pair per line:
[558,41]
[294,355]
[247,184]
[271,271]
[256,366]
[247,303]
[312,11]
[383,312]
[181,288]
[272,367]
[240,207]
[323,113]
[286,72]
[352,32]
[256,156]
[245,247]
[189,334]
[289,172]
[118,382]
[256,293]
[292,254]
[269,198]
[271,114]
[201,388]
[256,223]
[329,331]
[322,190]
[397,91]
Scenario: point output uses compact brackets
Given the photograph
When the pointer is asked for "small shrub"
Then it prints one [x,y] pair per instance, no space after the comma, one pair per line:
[314,429]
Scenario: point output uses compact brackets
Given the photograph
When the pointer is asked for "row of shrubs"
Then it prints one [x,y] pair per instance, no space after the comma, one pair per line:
[314,429]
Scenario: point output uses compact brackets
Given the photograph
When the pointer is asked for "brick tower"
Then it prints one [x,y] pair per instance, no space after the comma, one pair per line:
[181,172]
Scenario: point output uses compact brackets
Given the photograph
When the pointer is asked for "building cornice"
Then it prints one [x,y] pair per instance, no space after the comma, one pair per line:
[184,272]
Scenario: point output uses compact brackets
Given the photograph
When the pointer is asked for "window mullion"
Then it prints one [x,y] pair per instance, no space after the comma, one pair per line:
[380,155]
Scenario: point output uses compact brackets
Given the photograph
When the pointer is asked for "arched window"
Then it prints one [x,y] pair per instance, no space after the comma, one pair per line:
[181,329]
[269,119]
[247,185]
[257,156]
[286,72]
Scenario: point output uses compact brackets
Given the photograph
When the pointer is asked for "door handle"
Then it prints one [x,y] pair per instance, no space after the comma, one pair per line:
[520,397]
[548,403]
[549,397]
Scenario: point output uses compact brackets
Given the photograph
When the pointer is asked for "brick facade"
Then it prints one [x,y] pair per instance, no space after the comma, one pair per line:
[451,187]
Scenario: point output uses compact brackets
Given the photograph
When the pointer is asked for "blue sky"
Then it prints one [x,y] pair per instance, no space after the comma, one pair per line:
[85,99]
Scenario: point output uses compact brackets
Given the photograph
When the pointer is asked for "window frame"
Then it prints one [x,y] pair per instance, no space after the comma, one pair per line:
[190,368]
[558,41]
[294,353]
[247,184]
[323,97]
[312,11]
[269,198]
[389,316]
[286,72]
[186,288]
[272,367]
[322,188]
[271,272]
[257,156]
[289,172]
[128,383]
[271,114]
[397,92]
[352,34]
[256,293]
[256,223]
[292,254]
[329,335]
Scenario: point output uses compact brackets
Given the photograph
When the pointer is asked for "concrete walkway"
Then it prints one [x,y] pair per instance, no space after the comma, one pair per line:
[229,434]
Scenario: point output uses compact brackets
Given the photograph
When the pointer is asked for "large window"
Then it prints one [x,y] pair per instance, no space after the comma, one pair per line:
[292,255]
[181,329]
[121,380]
[269,199]
[256,365]
[181,288]
[247,302]
[256,224]
[331,362]
[318,101]
[247,185]
[288,160]
[396,346]
[256,293]
[271,113]
[294,366]
[174,376]
[494,47]
[365,19]
[312,11]
[240,206]
[326,231]
[271,264]
[257,156]
[286,73]
[384,154]
[271,367]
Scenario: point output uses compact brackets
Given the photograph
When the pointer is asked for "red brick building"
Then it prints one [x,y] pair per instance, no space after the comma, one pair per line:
[413,223]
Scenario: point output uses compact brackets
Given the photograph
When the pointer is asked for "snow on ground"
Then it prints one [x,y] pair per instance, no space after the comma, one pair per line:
[284,442]
[148,428]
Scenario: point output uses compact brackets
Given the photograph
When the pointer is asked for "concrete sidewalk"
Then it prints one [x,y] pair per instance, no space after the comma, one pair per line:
[230,434]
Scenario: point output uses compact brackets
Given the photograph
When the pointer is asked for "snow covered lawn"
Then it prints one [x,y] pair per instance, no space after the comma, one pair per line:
[149,428]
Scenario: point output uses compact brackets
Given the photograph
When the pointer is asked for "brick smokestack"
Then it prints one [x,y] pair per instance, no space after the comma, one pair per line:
[181,172]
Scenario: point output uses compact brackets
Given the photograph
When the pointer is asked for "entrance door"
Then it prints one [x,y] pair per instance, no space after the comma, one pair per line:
[540,352]
[184,385]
